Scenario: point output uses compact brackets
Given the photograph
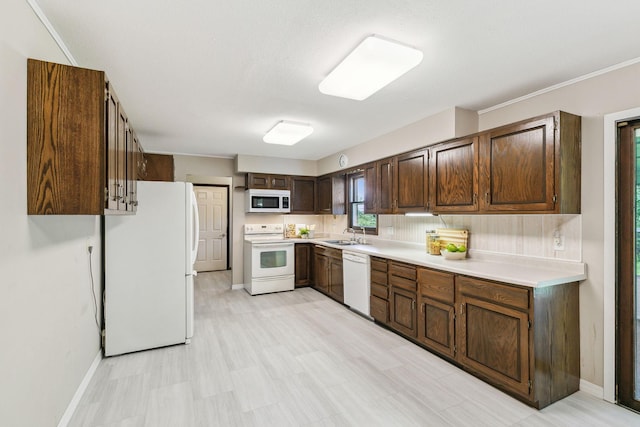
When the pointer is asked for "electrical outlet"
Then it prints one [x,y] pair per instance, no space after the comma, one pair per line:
[558,241]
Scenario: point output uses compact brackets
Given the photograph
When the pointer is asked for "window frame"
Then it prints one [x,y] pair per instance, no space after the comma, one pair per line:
[352,177]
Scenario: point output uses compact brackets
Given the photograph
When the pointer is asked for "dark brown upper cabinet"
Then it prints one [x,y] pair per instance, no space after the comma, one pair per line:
[411,187]
[268,181]
[385,185]
[397,184]
[134,160]
[303,194]
[453,176]
[157,167]
[82,153]
[331,192]
[370,182]
[532,166]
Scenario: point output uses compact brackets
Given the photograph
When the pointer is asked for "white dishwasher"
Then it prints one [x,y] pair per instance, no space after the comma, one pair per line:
[357,281]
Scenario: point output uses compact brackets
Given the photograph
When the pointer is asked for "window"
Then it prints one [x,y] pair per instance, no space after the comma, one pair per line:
[357,218]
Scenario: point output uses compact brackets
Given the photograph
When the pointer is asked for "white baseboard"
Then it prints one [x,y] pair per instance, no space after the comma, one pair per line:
[71,408]
[237,286]
[592,389]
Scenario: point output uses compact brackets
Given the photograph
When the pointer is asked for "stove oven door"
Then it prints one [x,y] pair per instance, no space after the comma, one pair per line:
[272,259]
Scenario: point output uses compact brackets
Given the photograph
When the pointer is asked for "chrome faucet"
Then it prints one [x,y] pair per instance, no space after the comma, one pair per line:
[350,230]
[363,239]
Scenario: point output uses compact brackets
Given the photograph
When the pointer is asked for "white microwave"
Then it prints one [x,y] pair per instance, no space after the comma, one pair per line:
[268,201]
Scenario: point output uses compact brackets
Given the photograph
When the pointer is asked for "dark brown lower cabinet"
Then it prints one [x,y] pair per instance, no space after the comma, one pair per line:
[403,311]
[321,271]
[379,309]
[403,298]
[328,272]
[336,284]
[523,340]
[494,341]
[436,326]
[379,302]
[436,317]
[304,264]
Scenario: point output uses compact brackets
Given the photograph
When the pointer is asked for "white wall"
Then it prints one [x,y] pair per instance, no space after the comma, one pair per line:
[245,163]
[47,329]
[447,124]
[525,235]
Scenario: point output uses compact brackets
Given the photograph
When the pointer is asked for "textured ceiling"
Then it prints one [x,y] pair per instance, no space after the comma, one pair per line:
[211,77]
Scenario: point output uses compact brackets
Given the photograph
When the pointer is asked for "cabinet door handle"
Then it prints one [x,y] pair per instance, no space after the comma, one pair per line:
[424,306]
[118,193]
[461,309]
[413,304]
[486,197]
[475,199]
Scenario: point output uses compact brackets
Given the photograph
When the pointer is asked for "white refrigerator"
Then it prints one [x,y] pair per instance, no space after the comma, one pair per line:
[149,256]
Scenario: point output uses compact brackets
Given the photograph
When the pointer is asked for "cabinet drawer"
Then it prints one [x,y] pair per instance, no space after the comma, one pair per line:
[401,282]
[400,269]
[379,277]
[436,284]
[379,309]
[381,291]
[326,251]
[505,295]
[335,253]
[320,250]
[379,264]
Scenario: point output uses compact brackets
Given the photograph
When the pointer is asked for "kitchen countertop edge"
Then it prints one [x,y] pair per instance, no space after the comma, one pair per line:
[511,269]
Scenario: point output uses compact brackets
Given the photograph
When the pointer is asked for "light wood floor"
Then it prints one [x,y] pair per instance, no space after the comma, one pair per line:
[300,359]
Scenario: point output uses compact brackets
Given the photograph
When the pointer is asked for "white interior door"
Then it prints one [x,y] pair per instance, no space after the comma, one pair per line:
[212,246]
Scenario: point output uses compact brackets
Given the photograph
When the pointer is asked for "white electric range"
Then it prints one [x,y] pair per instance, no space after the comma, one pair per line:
[269,260]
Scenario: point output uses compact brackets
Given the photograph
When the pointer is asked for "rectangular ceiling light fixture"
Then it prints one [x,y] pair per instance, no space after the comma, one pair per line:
[287,133]
[372,65]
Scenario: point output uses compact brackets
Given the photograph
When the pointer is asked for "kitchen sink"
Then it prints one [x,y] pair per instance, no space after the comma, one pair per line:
[341,242]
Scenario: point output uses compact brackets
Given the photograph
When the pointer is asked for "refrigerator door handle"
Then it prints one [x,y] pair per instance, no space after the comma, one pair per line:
[195,232]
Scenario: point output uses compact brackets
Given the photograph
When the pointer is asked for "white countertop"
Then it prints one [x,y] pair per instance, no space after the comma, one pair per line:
[513,269]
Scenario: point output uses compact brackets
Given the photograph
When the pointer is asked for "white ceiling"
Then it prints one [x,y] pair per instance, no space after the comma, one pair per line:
[211,77]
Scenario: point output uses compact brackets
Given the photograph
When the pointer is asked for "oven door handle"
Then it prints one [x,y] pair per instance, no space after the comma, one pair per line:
[273,245]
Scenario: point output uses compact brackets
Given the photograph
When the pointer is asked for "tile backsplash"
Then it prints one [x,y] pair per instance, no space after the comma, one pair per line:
[527,235]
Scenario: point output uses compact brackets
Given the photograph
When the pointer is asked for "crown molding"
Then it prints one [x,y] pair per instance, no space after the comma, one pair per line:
[560,85]
[52,31]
